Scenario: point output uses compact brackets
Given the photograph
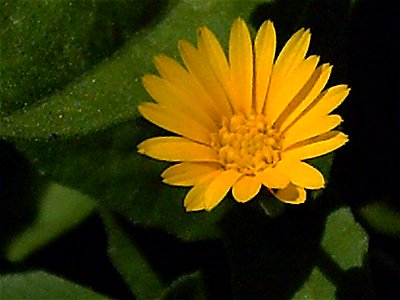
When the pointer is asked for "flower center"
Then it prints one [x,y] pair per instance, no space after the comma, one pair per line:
[247,144]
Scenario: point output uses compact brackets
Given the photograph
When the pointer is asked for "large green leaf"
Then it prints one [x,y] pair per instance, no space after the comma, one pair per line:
[47,44]
[42,47]
[105,164]
[41,285]
[59,209]
[107,167]
[109,93]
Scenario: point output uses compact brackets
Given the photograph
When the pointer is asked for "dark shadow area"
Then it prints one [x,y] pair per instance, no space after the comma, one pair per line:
[360,39]
[171,258]
[329,24]
[80,256]
[351,284]
[259,248]
[19,187]
[365,168]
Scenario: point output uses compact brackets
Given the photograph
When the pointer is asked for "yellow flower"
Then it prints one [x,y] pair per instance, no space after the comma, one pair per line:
[243,122]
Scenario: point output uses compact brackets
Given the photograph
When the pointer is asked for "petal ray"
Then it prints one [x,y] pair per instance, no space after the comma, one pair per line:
[198,65]
[194,200]
[168,95]
[175,121]
[219,187]
[210,47]
[315,146]
[291,56]
[264,51]
[188,173]
[305,96]
[293,52]
[314,127]
[241,67]
[246,188]
[171,148]
[172,71]
[273,178]
[303,175]
[325,103]
[291,87]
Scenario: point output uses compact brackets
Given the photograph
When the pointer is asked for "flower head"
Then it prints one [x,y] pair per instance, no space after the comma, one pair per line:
[243,122]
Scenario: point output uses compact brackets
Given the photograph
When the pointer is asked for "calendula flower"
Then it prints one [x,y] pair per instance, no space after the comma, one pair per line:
[244,122]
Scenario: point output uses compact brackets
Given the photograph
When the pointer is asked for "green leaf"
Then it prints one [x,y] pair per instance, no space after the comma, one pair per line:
[47,45]
[42,47]
[344,240]
[105,165]
[60,209]
[130,262]
[110,93]
[316,287]
[41,285]
[381,217]
[186,287]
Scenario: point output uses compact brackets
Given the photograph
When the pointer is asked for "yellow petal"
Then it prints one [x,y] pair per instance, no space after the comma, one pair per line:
[304,97]
[171,148]
[246,188]
[241,67]
[166,94]
[188,174]
[315,146]
[304,130]
[325,103]
[219,187]
[198,65]
[194,200]
[175,121]
[172,71]
[211,49]
[273,178]
[291,194]
[290,87]
[291,56]
[264,50]
[293,52]
[303,175]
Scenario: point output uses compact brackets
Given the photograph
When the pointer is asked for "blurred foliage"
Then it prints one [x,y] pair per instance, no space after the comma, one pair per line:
[40,285]
[59,210]
[69,87]
[382,217]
